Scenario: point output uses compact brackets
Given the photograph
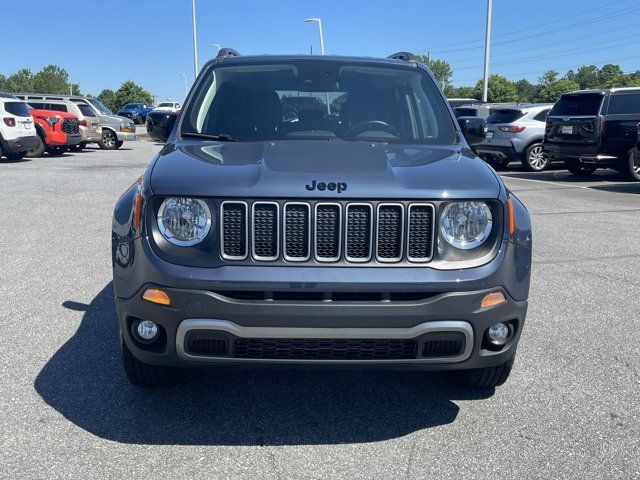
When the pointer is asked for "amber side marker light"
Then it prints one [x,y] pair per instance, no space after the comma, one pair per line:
[512,223]
[492,299]
[154,295]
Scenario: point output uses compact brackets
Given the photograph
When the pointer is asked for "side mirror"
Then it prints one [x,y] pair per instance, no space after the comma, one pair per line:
[474,129]
[160,125]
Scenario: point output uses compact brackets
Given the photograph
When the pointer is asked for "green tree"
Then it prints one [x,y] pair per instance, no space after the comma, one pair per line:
[500,89]
[586,76]
[459,92]
[3,83]
[108,97]
[440,69]
[551,91]
[51,79]
[21,81]
[130,92]
[548,77]
[526,91]
[611,76]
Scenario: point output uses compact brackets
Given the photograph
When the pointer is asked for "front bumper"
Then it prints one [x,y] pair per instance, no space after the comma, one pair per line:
[74,139]
[126,136]
[208,300]
[20,144]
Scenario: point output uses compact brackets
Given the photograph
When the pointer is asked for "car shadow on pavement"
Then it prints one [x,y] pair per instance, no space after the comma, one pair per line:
[84,381]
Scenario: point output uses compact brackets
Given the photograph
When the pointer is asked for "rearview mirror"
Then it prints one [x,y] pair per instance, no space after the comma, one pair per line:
[474,129]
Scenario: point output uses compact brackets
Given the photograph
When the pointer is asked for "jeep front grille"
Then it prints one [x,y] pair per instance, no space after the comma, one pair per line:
[325,232]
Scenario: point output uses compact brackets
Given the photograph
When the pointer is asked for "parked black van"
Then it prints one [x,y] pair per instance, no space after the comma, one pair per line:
[592,129]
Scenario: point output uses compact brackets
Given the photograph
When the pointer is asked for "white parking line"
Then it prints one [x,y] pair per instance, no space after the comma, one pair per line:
[565,185]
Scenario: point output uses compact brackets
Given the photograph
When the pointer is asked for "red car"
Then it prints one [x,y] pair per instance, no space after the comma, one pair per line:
[57,131]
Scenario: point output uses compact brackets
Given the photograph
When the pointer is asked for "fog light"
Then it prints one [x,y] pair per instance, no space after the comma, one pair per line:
[498,334]
[147,330]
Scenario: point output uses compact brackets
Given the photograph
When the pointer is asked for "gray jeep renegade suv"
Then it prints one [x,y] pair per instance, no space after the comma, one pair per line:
[359,229]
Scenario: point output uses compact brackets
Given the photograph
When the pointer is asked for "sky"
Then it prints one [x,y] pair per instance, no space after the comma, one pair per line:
[102,44]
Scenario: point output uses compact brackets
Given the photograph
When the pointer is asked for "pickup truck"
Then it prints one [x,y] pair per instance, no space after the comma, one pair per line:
[57,131]
[136,112]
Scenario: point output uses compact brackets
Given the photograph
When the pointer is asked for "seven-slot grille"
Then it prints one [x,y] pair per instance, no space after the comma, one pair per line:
[70,126]
[356,232]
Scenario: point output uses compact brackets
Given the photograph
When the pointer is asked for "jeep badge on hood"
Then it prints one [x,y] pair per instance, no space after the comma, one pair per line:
[331,186]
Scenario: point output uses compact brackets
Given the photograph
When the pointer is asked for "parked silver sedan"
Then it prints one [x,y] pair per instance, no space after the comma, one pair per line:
[515,132]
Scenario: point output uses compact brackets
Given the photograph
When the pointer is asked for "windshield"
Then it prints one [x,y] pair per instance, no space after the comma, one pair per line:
[165,104]
[582,104]
[319,99]
[100,106]
[131,106]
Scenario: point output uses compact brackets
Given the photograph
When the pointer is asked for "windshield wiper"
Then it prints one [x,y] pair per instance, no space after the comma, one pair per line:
[223,137]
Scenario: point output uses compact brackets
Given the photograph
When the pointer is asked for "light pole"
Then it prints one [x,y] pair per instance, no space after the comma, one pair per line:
[195,40]
[217,45]
[319,22]
[186,89]
[487,46]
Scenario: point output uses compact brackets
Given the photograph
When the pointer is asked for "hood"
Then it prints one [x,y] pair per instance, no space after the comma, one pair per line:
[50,113]
[121,119]
[288,169]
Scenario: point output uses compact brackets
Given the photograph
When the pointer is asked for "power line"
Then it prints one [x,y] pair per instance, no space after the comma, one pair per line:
[570,67]
[551,44]
[608,6]
[572,51]
[548,32]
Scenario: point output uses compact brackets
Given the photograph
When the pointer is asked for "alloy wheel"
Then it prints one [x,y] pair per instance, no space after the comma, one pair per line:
[537,159]
[108,139]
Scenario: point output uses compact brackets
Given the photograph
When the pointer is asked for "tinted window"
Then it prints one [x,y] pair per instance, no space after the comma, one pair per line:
[58,107]
[38,105]
[504,115]
[19,109]
[580,104]
[130,106]
[466,112]
[542,116]
[165,104]
[86,110]
[624,103]
[100,106]
[352,101]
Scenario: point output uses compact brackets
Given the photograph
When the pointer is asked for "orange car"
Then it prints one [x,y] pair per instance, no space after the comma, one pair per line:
[57,131]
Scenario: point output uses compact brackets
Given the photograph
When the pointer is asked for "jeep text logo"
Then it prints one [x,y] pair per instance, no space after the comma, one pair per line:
[331,186]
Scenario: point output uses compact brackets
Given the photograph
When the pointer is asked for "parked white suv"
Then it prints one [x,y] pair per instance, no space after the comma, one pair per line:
[168,106]
[17,130]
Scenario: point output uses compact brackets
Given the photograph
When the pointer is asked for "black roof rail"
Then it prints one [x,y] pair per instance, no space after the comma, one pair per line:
[227,52]
[406,56]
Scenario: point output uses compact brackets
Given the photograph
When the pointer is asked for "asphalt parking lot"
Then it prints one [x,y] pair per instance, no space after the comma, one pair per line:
[570,409]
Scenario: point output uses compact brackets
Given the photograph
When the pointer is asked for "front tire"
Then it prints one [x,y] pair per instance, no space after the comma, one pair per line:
[139,119]
[633,166]
[535,160]
[57,150]
[79,147]
[148,376]
[487,377]
[38,150]
[14,157]
[108,140]
[577,168]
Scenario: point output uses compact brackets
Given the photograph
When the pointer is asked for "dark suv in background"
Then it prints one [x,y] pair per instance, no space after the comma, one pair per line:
[592,129]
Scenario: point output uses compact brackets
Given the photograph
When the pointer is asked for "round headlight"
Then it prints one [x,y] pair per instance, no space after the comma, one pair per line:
[184,221]
[466,225]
